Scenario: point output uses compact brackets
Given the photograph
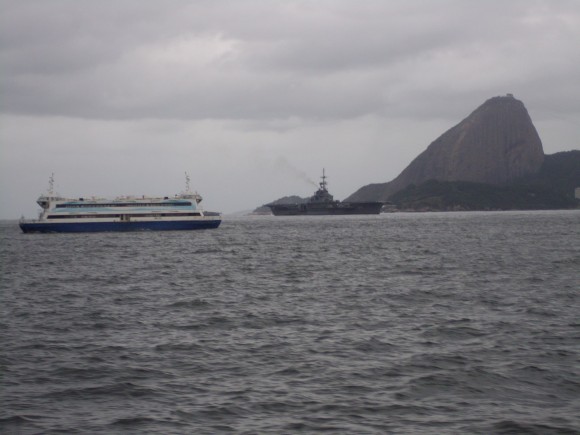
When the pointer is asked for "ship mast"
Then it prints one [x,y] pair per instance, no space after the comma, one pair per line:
[323,182]
[188,193]
[51,185]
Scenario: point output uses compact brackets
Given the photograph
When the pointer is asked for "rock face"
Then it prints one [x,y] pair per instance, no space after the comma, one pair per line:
[496,144]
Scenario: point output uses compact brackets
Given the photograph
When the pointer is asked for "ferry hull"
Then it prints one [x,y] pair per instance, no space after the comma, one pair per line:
[94,227]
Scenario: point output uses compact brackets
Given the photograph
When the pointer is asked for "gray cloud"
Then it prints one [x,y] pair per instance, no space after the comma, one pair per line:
[273,59]
[338,81]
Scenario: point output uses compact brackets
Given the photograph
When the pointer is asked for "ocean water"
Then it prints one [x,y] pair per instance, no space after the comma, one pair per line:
[435,323]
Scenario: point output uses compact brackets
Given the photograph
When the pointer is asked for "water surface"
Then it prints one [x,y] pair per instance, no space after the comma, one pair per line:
[402,323]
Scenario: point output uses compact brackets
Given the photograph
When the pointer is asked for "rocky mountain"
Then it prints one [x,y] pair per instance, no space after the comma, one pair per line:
[553,187]
[496,144]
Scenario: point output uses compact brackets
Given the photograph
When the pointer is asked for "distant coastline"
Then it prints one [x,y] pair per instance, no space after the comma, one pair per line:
[491,160]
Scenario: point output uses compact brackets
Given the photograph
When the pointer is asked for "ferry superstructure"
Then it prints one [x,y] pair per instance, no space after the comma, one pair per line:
[66,215]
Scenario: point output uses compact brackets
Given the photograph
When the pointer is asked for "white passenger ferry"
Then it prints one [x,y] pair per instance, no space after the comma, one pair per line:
[65,215]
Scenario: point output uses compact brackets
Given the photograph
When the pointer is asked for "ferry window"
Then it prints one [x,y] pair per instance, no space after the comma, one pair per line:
[127,204]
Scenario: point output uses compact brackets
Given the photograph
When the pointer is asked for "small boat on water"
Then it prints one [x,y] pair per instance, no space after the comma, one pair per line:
[323,203]
[127,213]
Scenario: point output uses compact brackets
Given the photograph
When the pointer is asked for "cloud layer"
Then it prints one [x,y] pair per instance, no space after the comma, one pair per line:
[346,82]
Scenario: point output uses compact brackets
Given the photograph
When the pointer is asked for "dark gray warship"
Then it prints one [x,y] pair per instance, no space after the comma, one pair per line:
[323,203]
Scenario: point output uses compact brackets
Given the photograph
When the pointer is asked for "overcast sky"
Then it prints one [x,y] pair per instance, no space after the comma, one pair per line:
[253,98]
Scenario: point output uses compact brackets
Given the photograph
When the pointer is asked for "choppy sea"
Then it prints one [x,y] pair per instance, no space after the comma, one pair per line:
[431,323]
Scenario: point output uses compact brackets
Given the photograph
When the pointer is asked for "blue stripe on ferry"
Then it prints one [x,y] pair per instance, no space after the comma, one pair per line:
[85,227]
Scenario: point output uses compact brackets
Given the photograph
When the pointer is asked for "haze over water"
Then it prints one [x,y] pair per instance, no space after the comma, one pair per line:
[404,323]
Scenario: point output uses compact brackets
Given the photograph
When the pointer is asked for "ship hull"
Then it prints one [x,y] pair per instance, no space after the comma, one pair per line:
[341,208]
[94,227]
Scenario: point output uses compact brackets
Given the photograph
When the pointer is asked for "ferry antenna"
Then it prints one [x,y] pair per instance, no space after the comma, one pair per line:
[51,185]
